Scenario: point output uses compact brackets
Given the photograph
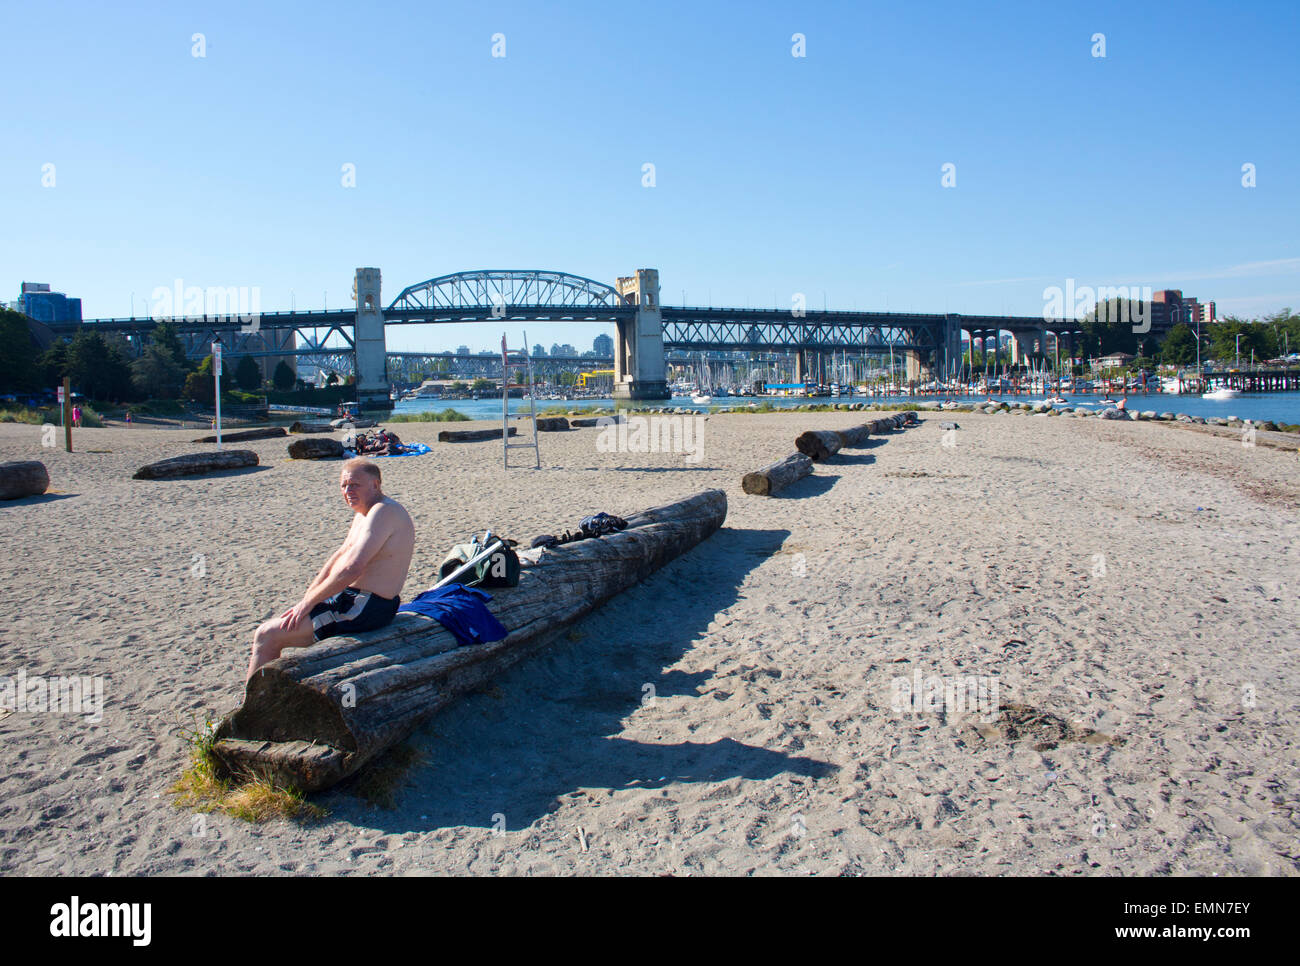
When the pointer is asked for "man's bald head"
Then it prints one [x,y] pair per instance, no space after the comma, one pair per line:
[359,464]
[360,482]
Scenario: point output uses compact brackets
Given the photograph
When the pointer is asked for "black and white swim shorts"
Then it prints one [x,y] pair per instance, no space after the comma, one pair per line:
[350,612]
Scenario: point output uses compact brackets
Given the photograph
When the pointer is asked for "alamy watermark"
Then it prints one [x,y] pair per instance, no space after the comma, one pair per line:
[652,434]
[950,693]
[1074,302]
[60,695]
[233,305]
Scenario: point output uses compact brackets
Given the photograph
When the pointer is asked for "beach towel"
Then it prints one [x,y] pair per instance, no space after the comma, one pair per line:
[416,449]
[461,610]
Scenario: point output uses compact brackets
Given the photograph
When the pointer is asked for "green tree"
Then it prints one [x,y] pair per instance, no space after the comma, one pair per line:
[165,336]
[198,384]
[283,378]
[97,368]
[1179,348]
[248,374]
[157,374]
[1109,328]
[332,379]
[19,369]
[482,385]
[53,364]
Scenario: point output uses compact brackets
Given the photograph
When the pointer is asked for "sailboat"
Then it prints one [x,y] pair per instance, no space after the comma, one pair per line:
[701,397]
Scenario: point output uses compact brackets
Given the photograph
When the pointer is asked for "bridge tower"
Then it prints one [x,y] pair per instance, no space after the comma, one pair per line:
[371,350]
[639,370]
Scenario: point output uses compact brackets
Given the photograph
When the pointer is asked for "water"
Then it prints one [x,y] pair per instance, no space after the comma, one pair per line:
[1280,407]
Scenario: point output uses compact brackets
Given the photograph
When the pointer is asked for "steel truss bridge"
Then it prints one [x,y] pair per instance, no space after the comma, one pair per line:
[325,338]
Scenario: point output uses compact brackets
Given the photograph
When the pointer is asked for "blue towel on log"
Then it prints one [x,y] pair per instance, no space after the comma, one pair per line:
[461,610]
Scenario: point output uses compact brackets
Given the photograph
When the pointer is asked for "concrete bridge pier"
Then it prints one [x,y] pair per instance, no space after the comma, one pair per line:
[913,366]
[1024,344]
[801,366]
[370,347]
[639,369]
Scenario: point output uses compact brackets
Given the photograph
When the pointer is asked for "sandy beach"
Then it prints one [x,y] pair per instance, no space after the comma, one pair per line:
[1130,587]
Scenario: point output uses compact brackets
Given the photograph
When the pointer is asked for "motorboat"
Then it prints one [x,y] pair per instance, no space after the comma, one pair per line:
[1222,393]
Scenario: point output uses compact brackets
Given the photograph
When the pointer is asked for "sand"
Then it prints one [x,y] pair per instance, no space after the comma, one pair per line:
[738,712]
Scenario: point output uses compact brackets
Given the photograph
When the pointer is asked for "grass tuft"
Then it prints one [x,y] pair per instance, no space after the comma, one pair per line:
[252,798]
[440,416]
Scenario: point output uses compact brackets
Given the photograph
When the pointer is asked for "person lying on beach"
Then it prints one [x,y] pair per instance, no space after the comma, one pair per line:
[357,589]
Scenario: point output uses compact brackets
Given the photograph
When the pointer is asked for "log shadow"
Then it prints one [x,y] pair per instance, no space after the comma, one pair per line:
[813,485]
[871,442]
[214,475]
[37,499]
[551,726]
[661,469]
[851,459]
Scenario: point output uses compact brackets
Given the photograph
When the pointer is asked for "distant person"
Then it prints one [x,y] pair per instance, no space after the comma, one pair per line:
[128,419]
[76,416]
[357,589]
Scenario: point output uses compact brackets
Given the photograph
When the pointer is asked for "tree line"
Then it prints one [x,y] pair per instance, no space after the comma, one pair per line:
[100,367]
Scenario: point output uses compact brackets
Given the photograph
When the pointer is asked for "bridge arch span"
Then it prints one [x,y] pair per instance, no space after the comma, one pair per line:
[507,288]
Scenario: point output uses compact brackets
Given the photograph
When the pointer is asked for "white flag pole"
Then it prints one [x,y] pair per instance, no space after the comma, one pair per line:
[216,376]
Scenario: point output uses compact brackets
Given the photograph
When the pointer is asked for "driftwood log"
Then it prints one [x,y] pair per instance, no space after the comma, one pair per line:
[314,448]
[818,444]
[301,427]
[471,435]
[239,436]
[780,474]
[21,478]
[191,464]
[359,423]
[552,424]
[823,444]
[315,715]
[586,422]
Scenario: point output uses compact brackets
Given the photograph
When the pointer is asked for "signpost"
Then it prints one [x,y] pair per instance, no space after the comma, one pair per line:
[216,377]
[65,400]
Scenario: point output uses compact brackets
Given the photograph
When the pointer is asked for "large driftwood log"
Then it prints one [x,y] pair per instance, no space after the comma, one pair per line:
[359,422]
[471,435]
[239,436]
[818,444]
[23,478]
[316,715]
[192,464]
[854,435]
[551,424]
[315,448]
[780,474]
[302,427]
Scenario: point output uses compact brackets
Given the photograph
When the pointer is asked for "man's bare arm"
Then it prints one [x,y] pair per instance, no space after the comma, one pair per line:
[353,556]
[329,566]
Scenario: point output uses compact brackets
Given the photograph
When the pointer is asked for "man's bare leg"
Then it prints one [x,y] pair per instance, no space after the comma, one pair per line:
[270,639]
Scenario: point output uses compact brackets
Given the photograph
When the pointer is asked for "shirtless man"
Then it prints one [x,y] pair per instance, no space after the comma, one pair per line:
[357,589]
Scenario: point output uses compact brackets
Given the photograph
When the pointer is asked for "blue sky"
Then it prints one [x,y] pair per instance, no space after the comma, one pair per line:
[774,174]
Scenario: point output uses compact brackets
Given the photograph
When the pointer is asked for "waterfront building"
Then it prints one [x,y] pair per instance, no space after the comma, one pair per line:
[38,302]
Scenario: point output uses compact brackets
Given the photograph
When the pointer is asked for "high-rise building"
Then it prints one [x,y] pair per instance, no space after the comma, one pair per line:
[462,350]
[603,345]
[539,351]
[41,304]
